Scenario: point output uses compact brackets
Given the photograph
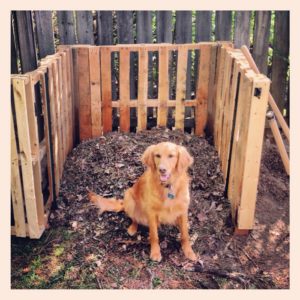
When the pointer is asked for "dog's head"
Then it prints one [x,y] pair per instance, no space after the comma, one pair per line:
[167,158]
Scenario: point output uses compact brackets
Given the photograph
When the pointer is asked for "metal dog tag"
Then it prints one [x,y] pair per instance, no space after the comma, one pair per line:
[171,195]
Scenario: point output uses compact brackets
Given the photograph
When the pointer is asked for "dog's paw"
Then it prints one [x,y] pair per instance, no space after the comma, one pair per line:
[155,256]
[190,254]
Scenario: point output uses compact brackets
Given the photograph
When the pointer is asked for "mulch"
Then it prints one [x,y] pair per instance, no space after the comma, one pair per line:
[110,164]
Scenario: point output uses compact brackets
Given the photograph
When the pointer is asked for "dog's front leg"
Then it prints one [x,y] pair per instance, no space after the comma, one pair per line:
[154,241]
[185,239]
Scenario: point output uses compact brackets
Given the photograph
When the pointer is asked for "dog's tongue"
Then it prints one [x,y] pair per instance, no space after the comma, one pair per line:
[164,177]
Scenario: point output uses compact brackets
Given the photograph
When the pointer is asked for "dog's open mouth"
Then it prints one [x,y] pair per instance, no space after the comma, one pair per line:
[164,177]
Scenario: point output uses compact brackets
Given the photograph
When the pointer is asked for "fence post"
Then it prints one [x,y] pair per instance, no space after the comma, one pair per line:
[223,25]
[66,27]
[26,41]
[84,27]
[44,32]
[261,40]
[280,58]
[242,28]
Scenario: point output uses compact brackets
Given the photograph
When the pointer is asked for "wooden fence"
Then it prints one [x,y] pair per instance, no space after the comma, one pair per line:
[36,34]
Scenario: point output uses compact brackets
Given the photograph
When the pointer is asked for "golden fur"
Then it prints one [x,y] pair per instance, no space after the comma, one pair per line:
[147,202]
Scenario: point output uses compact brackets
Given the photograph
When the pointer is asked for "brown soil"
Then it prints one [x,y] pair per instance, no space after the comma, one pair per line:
[98,252]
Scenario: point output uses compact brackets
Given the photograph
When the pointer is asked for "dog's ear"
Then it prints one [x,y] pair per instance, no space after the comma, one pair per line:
[185,160]
[147,157]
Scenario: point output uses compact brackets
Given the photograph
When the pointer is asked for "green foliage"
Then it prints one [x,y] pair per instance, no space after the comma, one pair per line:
[156,281]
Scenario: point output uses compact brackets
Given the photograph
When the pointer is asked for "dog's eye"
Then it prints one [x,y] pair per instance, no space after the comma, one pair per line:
[171,155]
[157,155]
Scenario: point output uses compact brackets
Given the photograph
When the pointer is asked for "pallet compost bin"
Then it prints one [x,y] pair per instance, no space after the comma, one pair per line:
[76,86]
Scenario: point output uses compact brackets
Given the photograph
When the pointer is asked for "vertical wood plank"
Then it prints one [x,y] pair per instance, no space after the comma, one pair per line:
[144,27]
[218,101]
[69,98]
[261,40]
[255,133]
[104,27]
[163,89]
[106,94]
[72,100]
[242,28]
[54,126]
[13,52]
[26,41]
[95,91]
[66,27]
[239,143]
[223,25]
[183,35]
[58,111]
[124,90]
[84,27]
[144,36]
[164,26]
[164,34]
[75,94]
[142,89]
[181,87]
[35,150]
[211,105]
[202,90]
[16,188]
[62,107]
[223,102]
[125,27]
[26,158]
[64,103]
[229,118]
[44,32]
[203,26]
[125,36]
[280,62]
[84,94]
[47,133]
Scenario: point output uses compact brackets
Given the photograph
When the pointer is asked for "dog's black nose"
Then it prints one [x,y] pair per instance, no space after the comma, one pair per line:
[162,170]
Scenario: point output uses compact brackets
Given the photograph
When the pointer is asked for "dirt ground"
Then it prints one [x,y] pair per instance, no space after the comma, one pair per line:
[83,250]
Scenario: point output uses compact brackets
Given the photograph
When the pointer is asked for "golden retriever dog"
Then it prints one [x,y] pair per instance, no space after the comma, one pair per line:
[160,196]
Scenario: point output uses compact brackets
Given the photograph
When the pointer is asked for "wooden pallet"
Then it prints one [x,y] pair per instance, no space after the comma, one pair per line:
[239,121]
[52,82]
[93,69]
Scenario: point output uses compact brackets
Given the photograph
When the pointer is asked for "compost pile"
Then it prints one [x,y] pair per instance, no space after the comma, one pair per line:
[98,252]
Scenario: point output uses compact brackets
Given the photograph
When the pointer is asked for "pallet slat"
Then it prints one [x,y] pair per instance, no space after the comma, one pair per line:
[84,93]
[47,136]
[95,91]
[26,158]
[202,90]
[124,90]
[239,143]
[16,188]
[163,89]
[34,140]
[54,122]
[229,119]
[142,90]
[181,87]
[218,101]
[106,89]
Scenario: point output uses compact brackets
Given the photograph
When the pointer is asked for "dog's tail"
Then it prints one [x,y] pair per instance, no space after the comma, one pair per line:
[106,204]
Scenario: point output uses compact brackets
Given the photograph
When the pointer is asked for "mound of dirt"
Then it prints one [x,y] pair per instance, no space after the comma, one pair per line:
[110,164]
